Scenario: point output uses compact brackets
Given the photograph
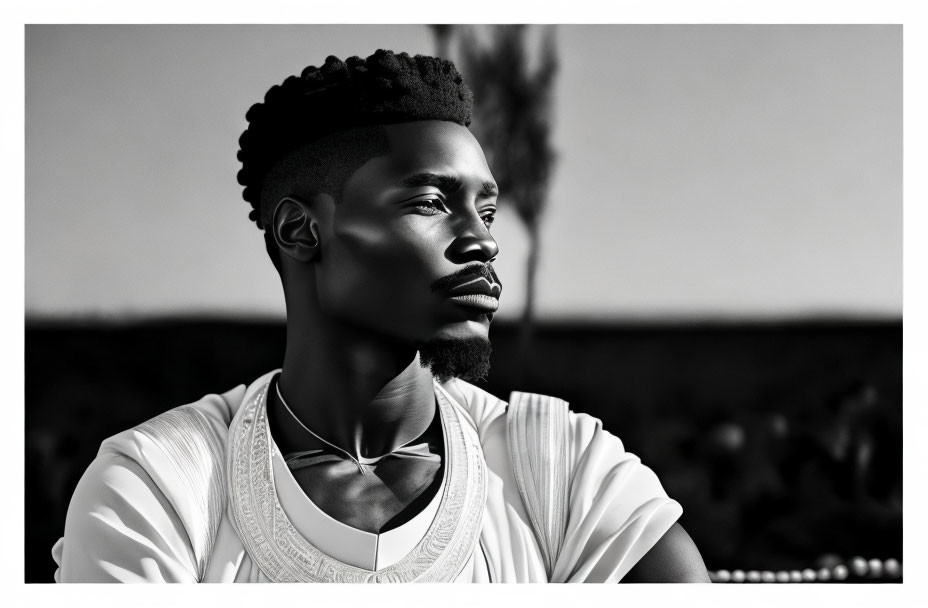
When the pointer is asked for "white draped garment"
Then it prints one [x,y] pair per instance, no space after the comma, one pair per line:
[140,514]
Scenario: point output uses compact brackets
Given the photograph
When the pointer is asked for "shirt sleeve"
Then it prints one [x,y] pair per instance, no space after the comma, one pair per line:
[617,508]
[121,528]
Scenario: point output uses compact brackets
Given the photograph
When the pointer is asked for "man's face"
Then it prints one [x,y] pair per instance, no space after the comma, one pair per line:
[404,249]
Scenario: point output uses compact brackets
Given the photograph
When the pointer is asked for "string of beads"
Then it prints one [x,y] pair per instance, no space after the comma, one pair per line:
[857,569]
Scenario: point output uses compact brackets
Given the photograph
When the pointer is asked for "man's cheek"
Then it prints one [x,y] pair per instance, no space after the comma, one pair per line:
[371,244]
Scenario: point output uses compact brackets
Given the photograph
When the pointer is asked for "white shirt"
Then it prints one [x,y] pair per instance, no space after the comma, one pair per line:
[134,517]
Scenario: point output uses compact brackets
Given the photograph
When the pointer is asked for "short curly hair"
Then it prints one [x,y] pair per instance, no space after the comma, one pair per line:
[339,97]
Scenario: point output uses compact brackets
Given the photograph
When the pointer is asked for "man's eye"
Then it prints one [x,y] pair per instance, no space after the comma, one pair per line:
[489,219]
[431,206]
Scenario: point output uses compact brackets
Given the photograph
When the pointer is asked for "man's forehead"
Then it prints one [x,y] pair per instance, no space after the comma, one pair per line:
[438,147]
[432,135]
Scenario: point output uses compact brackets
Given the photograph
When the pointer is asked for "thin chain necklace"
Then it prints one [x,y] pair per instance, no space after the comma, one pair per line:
[360,461]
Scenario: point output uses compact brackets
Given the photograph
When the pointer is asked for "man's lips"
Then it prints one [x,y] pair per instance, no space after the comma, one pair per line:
[479,293]
[477,301]
[476,286]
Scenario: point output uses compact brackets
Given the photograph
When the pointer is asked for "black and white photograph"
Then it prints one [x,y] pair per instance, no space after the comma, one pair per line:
[491,303]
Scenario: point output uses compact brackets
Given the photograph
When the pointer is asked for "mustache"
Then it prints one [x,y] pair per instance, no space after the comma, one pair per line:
[466,274]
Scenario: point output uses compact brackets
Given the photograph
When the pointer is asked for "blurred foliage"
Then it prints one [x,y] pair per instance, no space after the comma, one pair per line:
[512,114]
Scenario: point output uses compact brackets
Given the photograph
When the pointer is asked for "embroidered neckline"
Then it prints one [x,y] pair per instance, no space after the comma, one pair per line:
[284,555]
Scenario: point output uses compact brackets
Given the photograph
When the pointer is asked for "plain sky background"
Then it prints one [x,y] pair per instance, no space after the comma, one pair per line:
[703,170]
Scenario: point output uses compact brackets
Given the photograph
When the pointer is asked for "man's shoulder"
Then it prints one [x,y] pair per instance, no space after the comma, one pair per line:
[165,474]
[486,408]
[482,406]
[208,418]
[217,409]
[178,455]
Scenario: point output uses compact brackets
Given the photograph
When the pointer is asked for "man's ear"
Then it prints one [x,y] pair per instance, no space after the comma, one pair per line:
[295,230]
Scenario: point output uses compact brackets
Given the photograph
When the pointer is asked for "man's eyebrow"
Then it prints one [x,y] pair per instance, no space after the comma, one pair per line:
[445,183]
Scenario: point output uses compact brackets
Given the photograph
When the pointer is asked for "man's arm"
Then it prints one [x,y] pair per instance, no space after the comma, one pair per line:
[674,559]
[121,528]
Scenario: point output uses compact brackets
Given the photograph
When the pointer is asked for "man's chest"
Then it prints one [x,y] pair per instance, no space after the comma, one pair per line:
[380,499]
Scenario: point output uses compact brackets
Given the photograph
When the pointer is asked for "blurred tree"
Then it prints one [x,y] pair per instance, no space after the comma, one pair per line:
[512,120]
[443,33]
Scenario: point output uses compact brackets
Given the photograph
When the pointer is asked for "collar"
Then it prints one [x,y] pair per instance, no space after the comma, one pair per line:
[433,547]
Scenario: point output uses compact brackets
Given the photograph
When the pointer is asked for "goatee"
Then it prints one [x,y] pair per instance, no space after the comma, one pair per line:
[464,358]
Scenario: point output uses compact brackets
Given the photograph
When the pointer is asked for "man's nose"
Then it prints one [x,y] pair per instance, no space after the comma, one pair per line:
[473,243]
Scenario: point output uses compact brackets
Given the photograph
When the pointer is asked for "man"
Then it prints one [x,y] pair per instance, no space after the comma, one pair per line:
[369,457]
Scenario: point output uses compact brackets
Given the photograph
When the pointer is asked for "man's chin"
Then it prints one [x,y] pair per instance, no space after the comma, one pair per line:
[467,358]
[478,327]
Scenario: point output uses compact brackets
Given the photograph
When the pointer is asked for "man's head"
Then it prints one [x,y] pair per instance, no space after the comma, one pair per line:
[376,202]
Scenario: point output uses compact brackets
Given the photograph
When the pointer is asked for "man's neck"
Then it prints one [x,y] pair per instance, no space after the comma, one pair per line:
[357,390]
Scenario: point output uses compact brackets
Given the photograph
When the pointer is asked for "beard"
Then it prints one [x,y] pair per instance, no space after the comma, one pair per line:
[464,358]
